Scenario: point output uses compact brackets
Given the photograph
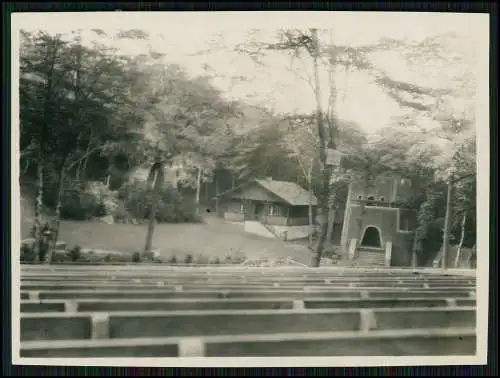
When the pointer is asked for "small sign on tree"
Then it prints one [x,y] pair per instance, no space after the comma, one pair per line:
[333,157]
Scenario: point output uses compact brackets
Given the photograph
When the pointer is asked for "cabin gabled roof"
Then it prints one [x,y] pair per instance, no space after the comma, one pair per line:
[290,192]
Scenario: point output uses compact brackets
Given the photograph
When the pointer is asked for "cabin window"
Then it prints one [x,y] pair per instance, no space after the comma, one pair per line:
[243,208]
[274,210]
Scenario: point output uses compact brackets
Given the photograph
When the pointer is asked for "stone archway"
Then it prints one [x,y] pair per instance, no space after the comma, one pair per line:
[371,238]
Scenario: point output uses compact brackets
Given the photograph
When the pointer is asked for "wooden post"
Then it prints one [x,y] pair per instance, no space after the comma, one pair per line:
[347,214]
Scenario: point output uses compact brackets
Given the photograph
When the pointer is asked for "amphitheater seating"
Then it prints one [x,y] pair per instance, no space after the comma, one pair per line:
[230,311]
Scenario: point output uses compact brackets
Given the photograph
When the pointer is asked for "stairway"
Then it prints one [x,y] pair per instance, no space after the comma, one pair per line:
[258,228]
[370,257]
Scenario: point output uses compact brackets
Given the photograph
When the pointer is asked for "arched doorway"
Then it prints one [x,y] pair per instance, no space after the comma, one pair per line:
[371,238]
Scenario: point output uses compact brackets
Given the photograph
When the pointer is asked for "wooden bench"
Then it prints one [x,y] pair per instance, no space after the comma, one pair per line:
[128,324]
[430,342]
[161,311]
[110,305]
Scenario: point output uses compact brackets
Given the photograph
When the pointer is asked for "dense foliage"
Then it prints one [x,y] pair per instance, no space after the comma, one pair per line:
[89,116]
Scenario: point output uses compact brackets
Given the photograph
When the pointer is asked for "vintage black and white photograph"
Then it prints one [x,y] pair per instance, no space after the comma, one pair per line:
[303,189]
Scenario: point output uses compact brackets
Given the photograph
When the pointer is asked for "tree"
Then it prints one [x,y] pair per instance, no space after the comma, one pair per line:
[82,112]
[298,42]
[301,142]
[155,179]
[438,104]
[190,119]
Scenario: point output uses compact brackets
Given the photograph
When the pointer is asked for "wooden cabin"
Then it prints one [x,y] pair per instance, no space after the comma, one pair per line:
[280,207]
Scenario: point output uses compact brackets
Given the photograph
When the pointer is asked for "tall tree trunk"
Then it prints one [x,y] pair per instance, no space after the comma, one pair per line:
[207,194]
[48,113]
[151,225]
[310,207]
[157,176]
[472,257]
[330,224]
[25,169]
[37,227]
[198,190]
[78,171]
[216,196]
[323,139]
[461,243]
[57,220]
[84,161]
[447,220]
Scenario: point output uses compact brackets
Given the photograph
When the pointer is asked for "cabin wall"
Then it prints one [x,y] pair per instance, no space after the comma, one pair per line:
[232,211]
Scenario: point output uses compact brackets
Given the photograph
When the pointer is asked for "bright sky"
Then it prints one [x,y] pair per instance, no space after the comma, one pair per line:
[195,40]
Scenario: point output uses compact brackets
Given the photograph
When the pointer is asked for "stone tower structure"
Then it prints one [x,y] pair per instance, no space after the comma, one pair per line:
[378,229]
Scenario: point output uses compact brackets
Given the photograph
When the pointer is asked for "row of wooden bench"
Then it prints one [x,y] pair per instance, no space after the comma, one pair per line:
[166,312]
[192,304]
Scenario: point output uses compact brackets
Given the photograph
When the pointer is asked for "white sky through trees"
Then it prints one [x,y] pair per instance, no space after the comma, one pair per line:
[203,43]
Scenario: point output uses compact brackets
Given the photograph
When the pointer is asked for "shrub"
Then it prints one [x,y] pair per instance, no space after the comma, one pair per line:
[171,207]
[202,260]
[76,205]
[86,202]
[104,196]
[121,214]
[332,252]
[239,259]
[188,259]
[136,257]
[75,253]
[27,253]
[173,260]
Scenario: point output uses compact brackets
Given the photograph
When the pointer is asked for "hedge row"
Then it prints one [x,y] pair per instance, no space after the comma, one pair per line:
[77,255]
[132,202]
